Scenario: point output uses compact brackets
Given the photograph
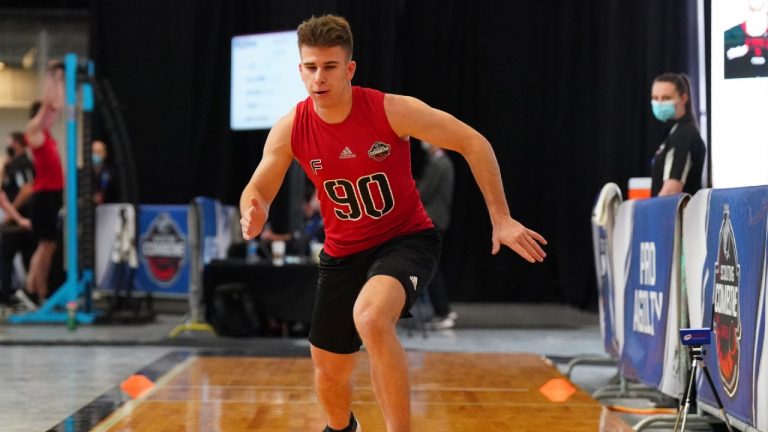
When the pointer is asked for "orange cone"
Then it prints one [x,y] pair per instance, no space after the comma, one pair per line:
[558,390]
[136,385]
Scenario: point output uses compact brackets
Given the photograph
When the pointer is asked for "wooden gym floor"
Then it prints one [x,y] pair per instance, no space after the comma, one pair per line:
[451,392]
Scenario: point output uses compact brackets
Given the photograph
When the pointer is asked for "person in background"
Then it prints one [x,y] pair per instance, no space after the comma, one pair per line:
[16,236]
[104,181]
[314,231]
[12,214]
[679,161]
[436,192]
[48,185]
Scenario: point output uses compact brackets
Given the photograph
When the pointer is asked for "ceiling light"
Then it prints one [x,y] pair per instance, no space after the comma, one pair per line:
[28,60]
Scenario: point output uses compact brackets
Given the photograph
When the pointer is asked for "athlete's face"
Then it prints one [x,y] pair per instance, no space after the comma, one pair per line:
[327,74]
[663,91]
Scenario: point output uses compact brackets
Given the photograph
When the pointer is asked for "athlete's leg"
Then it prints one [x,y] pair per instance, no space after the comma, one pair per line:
[334,385]
[32,275]
[376,312]
[40,268]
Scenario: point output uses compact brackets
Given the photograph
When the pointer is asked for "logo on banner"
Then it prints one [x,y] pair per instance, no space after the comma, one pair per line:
[725,321]
[163,248]
[649,303]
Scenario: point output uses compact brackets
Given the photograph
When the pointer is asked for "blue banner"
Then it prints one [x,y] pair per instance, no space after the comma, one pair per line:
[163,249]
[601,240]
[651,295]
[733,274]
[208,213]
[603,223]
[760,382]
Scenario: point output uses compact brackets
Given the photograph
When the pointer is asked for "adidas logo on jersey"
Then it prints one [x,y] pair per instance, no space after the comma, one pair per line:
[346,154]
[414,281]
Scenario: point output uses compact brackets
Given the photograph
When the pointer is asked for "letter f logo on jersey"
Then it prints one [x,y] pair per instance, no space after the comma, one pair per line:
[316,165]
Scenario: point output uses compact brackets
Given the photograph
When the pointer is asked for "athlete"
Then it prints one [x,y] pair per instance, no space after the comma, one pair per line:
[48,185]
[381,247]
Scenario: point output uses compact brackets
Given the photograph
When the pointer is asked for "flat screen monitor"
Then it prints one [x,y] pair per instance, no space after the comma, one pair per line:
[739,114]
[265,79]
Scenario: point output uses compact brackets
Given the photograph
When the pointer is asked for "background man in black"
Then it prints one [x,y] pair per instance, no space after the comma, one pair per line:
[436,192]
[17,186]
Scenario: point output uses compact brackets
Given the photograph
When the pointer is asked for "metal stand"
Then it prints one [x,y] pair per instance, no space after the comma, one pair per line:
[195,318]
[589,361]
[697,354]
[78,283]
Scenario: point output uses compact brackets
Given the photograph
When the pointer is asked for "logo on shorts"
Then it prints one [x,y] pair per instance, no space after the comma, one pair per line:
[726,321]
[415,282]
[379,151]
[163,247]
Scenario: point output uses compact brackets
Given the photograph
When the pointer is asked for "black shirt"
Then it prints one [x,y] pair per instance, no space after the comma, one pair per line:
[680,157]
[104,181]
[18,172]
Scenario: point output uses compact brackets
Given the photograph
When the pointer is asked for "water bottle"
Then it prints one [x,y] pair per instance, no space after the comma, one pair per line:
[252,251]
[71,315]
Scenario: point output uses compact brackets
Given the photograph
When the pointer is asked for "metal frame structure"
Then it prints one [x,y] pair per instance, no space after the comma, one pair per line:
[78,283]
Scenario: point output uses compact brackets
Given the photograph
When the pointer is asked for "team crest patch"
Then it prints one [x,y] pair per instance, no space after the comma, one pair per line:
[379,151]
[726,322]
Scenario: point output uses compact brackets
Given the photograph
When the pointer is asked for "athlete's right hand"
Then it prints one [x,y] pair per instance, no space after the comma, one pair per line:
[253,220]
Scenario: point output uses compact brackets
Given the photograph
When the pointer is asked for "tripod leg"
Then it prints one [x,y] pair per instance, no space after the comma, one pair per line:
[685,402]
[717,397]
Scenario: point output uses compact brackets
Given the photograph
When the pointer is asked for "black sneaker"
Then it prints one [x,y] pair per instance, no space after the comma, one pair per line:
[9,301]
[352,427]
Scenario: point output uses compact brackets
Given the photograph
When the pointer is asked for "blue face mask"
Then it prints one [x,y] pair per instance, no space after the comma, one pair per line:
[97,160]
[663,110]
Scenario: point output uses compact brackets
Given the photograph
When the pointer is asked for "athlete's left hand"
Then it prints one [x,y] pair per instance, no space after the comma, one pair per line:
[520,239]
[253,219]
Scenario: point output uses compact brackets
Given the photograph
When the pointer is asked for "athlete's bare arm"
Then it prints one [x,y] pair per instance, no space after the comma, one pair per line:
[412,117]
[671,187]
[267,178]
[52,101]
[12,213]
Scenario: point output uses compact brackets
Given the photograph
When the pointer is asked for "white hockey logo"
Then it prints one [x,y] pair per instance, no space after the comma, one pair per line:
[414,281]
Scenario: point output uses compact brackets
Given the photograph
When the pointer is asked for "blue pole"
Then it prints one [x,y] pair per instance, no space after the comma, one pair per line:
[72,288]
[70,65]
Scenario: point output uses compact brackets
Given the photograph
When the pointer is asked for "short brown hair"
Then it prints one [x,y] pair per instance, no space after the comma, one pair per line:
[18,137]
[326,31]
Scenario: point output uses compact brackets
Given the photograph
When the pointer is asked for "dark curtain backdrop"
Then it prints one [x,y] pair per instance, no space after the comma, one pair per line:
[561,89]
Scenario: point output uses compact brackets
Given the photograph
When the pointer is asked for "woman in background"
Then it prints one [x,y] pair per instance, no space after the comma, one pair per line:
[679,161]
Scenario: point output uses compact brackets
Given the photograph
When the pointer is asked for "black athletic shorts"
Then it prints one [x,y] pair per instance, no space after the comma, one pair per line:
[412,259]
[44,214]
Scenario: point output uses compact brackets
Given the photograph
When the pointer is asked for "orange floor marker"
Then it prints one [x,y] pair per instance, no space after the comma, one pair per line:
[136,385]
[558,390]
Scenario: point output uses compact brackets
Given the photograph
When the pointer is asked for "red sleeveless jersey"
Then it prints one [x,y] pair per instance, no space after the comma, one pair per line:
[49,175]
[362,171]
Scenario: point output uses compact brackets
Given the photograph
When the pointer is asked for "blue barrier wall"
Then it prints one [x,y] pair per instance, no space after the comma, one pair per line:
[727,284]
[603,222]
[650,351]
[164,254]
